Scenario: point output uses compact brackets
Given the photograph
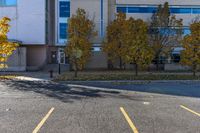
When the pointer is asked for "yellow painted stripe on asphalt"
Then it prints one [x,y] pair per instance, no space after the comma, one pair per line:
[131,124]
[43,121]
[190,110]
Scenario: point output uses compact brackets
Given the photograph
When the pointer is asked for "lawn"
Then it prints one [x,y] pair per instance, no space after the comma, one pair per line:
[3,77]
[124,75]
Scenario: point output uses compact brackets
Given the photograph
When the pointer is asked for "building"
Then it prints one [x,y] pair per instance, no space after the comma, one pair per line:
[28,25]
[41,25]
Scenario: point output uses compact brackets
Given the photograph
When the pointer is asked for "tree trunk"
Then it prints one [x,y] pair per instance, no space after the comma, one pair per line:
[76,73]
[110,65]
[157,63]
[194,69]
[194,74]
[124,66]
[157,66]
[120,63]
[194,63]
[136,69]
[76,69]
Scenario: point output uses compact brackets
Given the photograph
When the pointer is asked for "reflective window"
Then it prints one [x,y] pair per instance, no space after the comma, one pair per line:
[181,10]
[196,10]
[63,30]
[186,31]
[121,9]
[170,31]
[63,16]
[64,9]
[141,9]
[152,9]
[8,2]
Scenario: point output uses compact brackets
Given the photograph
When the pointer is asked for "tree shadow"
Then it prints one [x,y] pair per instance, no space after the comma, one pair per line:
[180,88]
[62,92]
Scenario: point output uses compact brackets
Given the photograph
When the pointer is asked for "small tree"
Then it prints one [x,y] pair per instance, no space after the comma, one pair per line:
[191,43]
[78,49]
[165,32]
[6,47]
[113,44]
[137,51]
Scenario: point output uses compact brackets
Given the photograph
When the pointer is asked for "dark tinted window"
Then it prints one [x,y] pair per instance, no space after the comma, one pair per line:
[63,30]
[64,9]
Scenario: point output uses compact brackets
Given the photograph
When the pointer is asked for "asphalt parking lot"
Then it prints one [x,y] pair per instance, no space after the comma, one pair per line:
[48,107]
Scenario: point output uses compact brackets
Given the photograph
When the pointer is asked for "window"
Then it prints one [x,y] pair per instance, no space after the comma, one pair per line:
[8,2]
[165,31]
[176,58]
[64,9]
[96,49]
[152,9]
[134,10]
[121,9]
[62,21]
[181,10]
[141,9]
[196,10]
[186,31]
[63,30]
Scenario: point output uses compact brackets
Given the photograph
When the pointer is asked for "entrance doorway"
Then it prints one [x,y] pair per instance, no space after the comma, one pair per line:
[61,56]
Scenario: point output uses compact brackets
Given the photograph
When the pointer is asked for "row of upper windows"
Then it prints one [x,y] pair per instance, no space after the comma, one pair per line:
[8,2]
[64,27]
[152,9]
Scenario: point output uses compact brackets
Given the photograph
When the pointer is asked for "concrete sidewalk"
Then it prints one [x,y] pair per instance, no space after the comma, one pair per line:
[32,76]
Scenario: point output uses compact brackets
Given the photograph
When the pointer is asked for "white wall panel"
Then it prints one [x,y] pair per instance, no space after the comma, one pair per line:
[28,21]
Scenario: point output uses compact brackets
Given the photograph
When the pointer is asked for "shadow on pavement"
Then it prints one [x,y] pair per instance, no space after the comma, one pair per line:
[62,91]
[181,88]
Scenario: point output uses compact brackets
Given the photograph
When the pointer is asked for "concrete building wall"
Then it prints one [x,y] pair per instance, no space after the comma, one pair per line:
[111,10]
[175,67]
[28,25]
[98,60]
[51,23]
[97,12]
[17,61]
[36,57]
[27,21]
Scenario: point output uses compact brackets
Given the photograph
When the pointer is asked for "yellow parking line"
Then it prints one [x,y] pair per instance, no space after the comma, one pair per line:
[190,110]
[133,127]
[43,121]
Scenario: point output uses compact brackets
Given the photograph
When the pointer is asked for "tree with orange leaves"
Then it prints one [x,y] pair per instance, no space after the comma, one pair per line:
[80,31]
[6,47]
[190,56]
